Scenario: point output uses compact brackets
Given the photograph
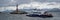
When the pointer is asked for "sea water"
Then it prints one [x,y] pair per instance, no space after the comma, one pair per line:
[8,16]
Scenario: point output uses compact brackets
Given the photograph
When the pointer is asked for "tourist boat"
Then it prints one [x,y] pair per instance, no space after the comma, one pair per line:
[44,14]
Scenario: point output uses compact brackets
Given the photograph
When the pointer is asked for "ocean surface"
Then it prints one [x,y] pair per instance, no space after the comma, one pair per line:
[8,16]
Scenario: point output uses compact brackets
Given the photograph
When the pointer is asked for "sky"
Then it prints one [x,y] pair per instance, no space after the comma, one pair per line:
[26,4]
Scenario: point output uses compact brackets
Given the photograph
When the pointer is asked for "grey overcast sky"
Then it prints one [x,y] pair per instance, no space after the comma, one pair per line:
[14,2]
[10,4]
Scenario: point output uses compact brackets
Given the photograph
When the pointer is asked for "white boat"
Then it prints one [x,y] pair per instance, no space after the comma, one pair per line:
[35,13]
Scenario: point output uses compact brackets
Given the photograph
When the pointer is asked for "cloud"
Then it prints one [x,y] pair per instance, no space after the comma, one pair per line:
[34,5]
[10,4]
[14,2]
[47,1]
[8,8]
[40,5]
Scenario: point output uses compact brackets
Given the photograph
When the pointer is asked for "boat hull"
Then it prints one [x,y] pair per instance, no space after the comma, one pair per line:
[39,16]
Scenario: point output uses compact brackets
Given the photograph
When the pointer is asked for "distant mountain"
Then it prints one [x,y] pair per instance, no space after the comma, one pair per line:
[49,10]
[44,9]
[7,11]
[54,10]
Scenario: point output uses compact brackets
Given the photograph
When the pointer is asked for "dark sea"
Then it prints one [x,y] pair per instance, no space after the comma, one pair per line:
[8,16]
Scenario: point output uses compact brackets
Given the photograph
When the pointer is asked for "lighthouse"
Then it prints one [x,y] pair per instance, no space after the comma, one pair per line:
[17,11]
[17,8]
